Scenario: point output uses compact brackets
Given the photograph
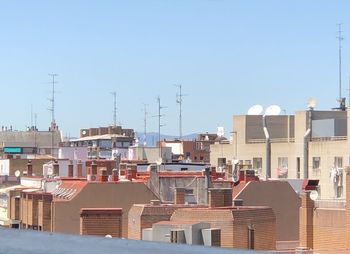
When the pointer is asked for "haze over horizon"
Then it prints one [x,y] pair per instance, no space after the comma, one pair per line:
[228,56]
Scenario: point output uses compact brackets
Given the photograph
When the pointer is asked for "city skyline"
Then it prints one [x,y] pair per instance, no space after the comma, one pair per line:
[227,55]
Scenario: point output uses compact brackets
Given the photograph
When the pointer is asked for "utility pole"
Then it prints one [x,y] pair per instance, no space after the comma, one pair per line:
[340,38]
[52,109]
[114,109]
[179,97]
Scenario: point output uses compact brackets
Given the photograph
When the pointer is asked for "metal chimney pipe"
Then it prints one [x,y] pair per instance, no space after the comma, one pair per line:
[306,145]
[268,149]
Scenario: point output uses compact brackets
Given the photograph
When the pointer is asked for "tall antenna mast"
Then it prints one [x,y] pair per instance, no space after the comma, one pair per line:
[115,108]
[145,125]
[179,101]
[340,38]
[159,126]
[52,99]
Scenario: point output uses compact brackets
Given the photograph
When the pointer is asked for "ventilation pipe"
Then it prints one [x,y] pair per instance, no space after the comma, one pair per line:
[306,145]
[268,149]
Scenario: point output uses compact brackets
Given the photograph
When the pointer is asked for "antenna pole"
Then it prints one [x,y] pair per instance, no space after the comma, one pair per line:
[114,109]
[159,126]
[340,38]
[179,97]
[145,124]
[52,109]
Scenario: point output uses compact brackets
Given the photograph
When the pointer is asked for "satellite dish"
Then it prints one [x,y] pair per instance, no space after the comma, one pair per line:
[221,131]
[314,195]
[311,103]
[159,161]
[50,171]
[255,110]
[273,110]
[235,161]
[84,132]
[17,173]
[108,236]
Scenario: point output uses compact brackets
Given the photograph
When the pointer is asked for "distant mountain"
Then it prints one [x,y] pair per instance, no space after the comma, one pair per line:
[152,137]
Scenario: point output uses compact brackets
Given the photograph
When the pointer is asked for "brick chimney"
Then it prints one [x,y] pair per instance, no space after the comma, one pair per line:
[79,169]
[306,218]
[93,168]
[103,175]
[220,197]
[179,196]
[115,175]
[70,169]
[101,221]
[56,168]
[29,168]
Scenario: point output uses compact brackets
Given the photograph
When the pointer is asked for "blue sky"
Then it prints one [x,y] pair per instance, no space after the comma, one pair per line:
[227,54]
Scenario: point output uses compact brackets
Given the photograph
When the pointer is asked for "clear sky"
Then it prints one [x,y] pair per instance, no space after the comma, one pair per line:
[227,54]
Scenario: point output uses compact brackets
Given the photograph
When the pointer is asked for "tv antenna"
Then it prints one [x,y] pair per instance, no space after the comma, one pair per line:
[179,101]
[340,38]
[114,108]
[145,124]
[52,99]
[159,125]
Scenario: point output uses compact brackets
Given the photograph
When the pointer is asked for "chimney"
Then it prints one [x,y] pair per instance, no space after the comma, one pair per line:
[103,175]
[29,168]
[306,218]
[206,173]
[131,170]
[179,196]
[56,168]
[115,175]
[220,197]
[93,168]
[79,169]
[70,169]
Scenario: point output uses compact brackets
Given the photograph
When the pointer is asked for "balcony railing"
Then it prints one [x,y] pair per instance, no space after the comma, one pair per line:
[272,140]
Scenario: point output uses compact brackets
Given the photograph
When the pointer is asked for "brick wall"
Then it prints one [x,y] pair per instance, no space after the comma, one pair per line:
[220,197]
[234,224]
[101,221]
[144,216]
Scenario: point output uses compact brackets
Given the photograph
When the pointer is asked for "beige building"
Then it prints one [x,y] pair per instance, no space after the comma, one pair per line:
[310,144]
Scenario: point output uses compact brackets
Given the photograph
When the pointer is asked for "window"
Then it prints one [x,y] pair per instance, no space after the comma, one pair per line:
[201,158]
[338,162]
[257,164]
[282,170]
[316,165]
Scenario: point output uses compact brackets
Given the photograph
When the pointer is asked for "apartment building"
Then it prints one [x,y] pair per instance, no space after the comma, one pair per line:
[308,144]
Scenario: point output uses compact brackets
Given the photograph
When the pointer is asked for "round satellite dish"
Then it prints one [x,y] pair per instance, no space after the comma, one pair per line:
[17,173]
[273,110]
[235,161]
[84,132]
[159,161]
[108,236]
[311,103]
[221,131]
[314,195]
[255,110]
[50,171]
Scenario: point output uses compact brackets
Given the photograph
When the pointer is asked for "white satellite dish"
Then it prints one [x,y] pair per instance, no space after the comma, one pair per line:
[50,171]
[255,110]
[235,161]
[108,236]
[17,173]
[221,131]
[159,161]
[314,195]
[273,110]
[311,103]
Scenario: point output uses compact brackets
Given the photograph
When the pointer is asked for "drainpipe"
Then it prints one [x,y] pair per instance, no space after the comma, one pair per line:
[268,149]
[306,146]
